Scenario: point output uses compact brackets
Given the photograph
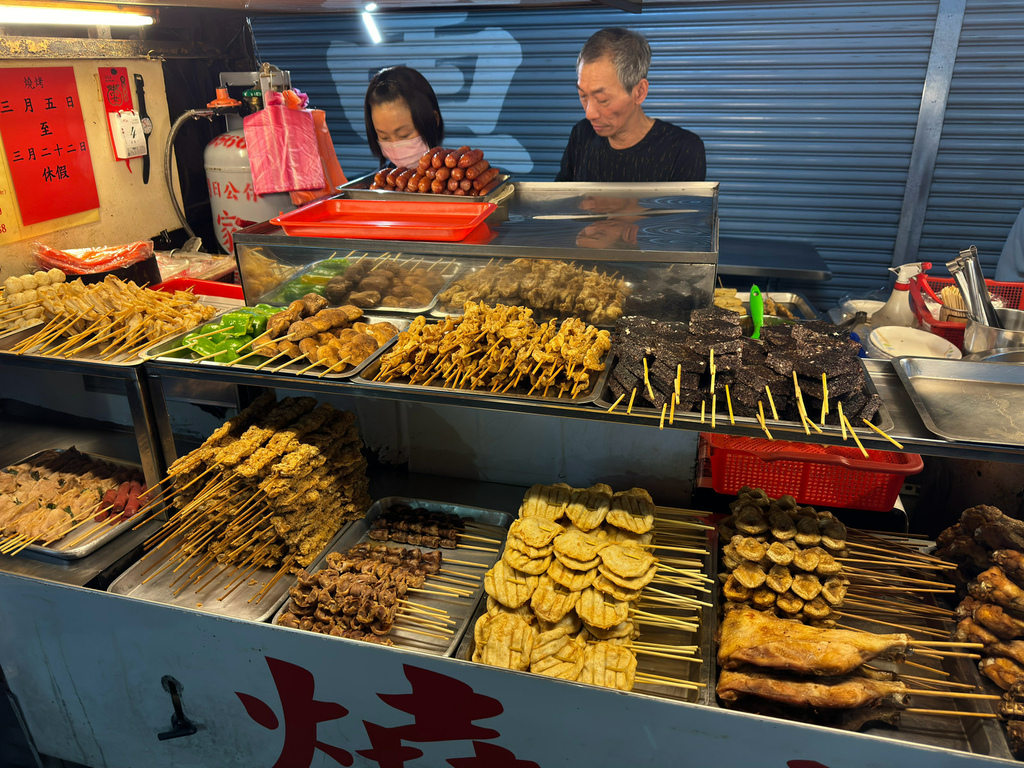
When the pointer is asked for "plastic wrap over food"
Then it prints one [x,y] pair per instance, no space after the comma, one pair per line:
[88,261]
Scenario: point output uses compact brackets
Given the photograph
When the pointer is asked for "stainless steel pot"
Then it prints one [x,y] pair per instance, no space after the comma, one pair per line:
[980,338]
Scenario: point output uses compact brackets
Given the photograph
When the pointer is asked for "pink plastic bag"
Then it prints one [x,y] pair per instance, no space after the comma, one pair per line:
[283,149]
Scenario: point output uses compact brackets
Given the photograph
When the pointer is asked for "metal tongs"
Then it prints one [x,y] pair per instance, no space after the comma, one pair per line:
[966,271]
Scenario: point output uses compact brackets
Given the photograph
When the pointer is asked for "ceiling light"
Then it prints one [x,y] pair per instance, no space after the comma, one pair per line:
[24,14]
[371,27]
[370,7]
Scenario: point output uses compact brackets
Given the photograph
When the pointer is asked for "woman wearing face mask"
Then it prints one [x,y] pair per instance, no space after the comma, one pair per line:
[403,119]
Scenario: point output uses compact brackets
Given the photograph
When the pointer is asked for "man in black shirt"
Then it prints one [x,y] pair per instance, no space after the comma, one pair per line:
[617,141]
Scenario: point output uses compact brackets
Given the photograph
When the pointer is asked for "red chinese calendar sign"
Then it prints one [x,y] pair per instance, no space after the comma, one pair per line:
[44,139]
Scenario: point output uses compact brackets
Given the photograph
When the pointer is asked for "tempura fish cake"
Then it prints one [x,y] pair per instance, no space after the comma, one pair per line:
[626,629]
[632,510]
[636,583]
[601,610]
[619,536]
[523,562]
[579,546]
[509,642]
[556,654]
[551,601]
[576,581]
[608,665]
[537,504]
[577,565]
[534,552]
[523,611]
[571,622]
[615,591]
[534,532]
[627,561]
[588,507]
[509,586]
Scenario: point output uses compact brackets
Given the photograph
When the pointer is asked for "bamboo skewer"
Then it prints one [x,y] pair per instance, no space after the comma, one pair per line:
[954,713]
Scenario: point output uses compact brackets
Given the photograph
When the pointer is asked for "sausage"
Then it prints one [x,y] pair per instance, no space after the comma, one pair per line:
[392,176]
[122,497]
[430,173]
[106,504]
[472,157]
[466,184]
[475,170]
[403,179]
[443,173]
[424,184]
[379,178]
[414,182]
[437,186]
[453,184]
[485,178]
[427,157]
[460,191]
[132,505]
[438,160]
[490,187]
[453,157]
[458,173]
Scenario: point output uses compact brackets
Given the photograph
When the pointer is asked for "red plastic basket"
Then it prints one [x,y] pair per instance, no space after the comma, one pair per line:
[819,475]
[1011,294]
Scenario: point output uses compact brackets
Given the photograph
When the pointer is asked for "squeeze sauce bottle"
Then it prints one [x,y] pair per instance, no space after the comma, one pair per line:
[897,310]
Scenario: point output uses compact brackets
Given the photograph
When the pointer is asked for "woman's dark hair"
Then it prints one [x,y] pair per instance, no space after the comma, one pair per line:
[404,84]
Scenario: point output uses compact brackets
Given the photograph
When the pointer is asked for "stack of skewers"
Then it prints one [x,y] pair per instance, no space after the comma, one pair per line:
[574,591]
[268,489]
[802,651]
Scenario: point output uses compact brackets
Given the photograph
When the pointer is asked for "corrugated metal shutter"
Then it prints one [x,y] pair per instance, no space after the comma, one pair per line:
[807,109]
[978,188]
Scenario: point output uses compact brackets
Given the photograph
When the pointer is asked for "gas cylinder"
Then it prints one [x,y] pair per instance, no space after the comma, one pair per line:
[233,201]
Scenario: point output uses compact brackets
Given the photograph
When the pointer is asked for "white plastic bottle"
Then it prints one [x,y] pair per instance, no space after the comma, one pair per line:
[897,310]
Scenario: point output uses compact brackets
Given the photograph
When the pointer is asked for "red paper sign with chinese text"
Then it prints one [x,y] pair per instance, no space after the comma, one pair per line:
[44,139]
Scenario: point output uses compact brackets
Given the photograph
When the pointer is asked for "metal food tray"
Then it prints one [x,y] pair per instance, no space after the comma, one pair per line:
[967,402]
[161,587]
[449,273]
[974,735]
[882,420]
[93,355]
[590,395]
[359,189]
[33,327]
[91,545]
[157,352]
[697,673]
[460,609]
[796,303]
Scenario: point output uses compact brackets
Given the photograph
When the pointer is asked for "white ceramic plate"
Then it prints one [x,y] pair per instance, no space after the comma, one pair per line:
[897,341]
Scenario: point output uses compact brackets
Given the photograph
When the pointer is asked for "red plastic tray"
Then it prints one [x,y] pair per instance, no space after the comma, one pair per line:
[202,288]
[385,219]
[819,475]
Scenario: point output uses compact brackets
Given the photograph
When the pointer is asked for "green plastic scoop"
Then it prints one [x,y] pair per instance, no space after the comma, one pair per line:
[756,311]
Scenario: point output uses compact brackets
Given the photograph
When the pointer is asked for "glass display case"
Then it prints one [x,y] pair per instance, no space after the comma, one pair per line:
[592,251]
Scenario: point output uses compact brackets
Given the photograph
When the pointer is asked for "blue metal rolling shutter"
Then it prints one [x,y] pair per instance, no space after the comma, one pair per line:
[978,188]
[807,109]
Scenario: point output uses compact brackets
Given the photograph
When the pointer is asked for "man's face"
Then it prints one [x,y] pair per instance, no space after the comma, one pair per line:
[607,105]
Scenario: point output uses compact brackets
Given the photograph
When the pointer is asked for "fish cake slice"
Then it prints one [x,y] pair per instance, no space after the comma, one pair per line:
[518,544]
[607,586]
[577,565]
[631,511]
[551,601]
[619,536]
[588,507]
[557,498]
[608,665]
[631,584]
[523,611]
[534,503]
[627,561]
[601,610]
[556,654]
[509,642]
[534,531]
[577,581]
[509,586]
[579,546]
[572,623]
[626,629]
[523,562]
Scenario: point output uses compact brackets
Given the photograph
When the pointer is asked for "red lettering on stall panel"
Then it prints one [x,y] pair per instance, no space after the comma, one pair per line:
[302,714]
[387,751]
[805,764]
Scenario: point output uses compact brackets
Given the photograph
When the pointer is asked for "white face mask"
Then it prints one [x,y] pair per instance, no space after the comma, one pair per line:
[404,154]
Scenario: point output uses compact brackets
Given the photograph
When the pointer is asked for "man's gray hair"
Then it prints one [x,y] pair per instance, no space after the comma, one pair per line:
[628,50]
